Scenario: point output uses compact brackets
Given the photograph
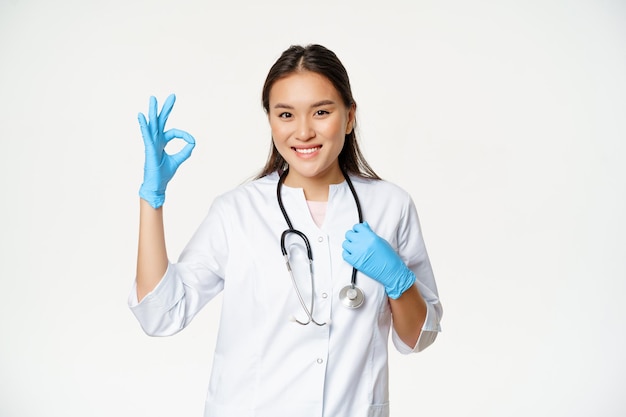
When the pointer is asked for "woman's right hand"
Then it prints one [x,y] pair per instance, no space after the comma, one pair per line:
[159,166]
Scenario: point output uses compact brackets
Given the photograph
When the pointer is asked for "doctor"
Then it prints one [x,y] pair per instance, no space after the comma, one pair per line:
[289,342]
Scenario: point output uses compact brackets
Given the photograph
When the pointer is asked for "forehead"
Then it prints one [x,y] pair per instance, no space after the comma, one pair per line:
[302,87]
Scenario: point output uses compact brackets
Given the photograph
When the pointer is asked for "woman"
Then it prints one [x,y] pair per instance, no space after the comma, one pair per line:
[309,339]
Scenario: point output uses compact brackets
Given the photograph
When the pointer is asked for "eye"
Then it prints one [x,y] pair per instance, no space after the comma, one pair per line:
[321,113]
[285,115]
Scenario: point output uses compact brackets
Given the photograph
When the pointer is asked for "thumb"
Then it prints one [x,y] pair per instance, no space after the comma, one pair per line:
[182,155]
[362,227]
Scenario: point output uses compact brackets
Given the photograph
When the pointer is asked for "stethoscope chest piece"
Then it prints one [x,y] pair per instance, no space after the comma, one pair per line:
[351,296]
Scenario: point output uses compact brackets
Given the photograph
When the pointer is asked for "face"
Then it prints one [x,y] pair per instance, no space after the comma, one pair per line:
[309,122]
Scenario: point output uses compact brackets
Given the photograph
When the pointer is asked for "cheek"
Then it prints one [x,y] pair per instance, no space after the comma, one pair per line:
[279,131]
[335,131]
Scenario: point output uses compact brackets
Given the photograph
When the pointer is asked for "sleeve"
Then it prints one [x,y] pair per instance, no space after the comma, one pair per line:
[412,250]
[189,284]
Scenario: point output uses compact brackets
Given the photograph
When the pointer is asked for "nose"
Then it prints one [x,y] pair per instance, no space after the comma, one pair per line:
[305,130]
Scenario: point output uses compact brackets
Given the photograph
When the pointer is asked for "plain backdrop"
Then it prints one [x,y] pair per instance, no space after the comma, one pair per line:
[505,120]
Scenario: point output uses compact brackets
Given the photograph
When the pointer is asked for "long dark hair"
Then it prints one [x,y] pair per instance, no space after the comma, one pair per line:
[318,59]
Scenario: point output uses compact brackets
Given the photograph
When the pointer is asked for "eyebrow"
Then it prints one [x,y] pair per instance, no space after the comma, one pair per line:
[314,105]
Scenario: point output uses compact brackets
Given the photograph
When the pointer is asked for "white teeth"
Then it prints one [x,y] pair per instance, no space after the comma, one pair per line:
[309,150]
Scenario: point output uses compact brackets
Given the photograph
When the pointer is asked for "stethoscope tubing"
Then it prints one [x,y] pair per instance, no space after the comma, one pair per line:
[309,311]
[358,209]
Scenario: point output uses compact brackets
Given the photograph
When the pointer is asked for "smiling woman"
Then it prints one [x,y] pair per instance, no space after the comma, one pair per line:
[320,341]
[309,122]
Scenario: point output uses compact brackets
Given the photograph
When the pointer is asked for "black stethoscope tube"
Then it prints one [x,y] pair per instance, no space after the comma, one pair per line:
[351,296]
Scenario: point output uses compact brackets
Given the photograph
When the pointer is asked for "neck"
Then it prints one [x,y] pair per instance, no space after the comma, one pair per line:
[315,189]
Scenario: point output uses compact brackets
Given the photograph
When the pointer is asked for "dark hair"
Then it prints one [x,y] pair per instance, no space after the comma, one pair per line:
[318,59]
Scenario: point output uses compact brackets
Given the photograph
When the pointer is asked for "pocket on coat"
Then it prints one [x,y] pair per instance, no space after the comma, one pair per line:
[378,410]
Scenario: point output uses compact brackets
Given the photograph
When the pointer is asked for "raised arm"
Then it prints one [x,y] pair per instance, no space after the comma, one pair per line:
[151,254]
[159,168]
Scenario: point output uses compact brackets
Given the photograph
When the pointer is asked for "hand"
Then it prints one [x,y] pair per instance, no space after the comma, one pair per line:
[159,166]
[372,255]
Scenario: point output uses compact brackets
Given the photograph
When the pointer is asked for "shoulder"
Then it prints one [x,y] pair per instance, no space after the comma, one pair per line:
[252,192]
[385,204]
[380,188]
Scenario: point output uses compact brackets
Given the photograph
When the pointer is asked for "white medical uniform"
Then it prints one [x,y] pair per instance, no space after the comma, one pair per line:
[266,365]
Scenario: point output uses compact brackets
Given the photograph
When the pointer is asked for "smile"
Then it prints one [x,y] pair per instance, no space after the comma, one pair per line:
[307,150]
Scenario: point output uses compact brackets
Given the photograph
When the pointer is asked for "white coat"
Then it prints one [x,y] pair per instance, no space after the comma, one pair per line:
[266,365]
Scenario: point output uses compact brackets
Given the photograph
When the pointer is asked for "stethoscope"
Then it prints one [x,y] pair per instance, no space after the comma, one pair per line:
[351,296]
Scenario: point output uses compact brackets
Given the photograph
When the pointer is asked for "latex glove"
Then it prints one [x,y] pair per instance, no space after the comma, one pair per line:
[159,166]
[374,256]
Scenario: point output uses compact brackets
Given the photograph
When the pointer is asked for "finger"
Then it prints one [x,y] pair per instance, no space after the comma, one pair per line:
[166,110]
[178,134]
[145,132]
[182,155]
[350,235]
[152,115]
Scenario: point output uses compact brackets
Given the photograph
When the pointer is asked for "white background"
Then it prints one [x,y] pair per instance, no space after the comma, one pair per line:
[506,121]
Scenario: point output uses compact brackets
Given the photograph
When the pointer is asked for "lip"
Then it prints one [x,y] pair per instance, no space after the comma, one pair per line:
[306,151]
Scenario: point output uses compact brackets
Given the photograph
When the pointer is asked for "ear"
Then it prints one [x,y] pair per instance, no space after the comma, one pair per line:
[351,119]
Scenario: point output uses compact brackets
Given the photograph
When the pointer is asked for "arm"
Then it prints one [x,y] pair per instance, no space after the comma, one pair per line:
[151,254]
[159,168]
[409,314]
[374,256]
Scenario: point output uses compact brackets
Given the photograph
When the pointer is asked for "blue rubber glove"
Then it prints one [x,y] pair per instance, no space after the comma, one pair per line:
[159,166]
[374,256]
